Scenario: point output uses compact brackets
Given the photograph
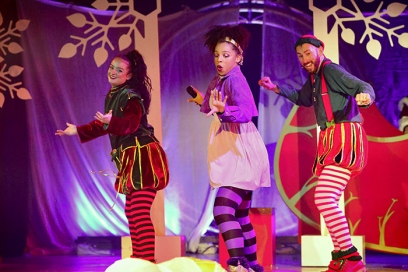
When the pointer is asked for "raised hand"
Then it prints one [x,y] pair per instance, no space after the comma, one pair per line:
[268,84]
[218,105]
[104,118]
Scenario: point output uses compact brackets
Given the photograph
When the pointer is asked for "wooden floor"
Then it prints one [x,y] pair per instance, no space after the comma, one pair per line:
[284,262]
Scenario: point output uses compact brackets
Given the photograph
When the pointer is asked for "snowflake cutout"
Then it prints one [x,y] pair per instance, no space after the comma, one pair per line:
[375,25]
[124,16]
[9,39]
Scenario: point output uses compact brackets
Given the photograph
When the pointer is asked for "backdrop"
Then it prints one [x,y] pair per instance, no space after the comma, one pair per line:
[64,189]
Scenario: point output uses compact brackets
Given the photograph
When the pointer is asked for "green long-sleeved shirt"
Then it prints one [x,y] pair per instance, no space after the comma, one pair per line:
[342,88]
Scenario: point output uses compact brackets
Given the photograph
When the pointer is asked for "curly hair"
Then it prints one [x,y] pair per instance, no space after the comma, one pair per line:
[221,33]
[139,81]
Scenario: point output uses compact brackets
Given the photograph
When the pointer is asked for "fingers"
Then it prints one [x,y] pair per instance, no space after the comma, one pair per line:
[217,96]
[214,94]
[263,81]
[70,130]
[363,99]
[61,132]
[98,115]
[225,99]
[192,100]
[214,110]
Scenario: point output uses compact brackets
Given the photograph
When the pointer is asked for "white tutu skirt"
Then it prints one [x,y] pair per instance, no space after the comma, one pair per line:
[237,156]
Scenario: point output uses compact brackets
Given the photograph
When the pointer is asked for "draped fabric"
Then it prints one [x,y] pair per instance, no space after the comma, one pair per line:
[280,30]
[68,200]
[71,184]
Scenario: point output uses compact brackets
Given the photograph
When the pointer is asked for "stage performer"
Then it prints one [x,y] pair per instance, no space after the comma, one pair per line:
[237,158]
[342,147]
[141,161]
[403,115]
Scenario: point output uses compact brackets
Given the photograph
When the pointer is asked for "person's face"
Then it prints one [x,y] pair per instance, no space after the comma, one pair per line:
[118,72]
[309,57]
[225,58]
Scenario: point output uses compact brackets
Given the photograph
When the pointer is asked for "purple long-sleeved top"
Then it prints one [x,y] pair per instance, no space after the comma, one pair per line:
[240,106]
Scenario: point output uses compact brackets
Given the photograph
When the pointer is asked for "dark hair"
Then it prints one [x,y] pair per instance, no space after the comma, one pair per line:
[139,81]
[220,33]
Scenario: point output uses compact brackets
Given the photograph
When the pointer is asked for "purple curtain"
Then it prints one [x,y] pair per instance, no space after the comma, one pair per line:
[68,200]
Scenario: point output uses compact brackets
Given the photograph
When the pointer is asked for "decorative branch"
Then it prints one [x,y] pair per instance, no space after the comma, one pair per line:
[9,43]
[97,33]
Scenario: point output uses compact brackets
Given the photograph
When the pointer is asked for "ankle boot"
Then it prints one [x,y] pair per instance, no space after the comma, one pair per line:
[333,263]
[238,264]
[256,268]
[347,261]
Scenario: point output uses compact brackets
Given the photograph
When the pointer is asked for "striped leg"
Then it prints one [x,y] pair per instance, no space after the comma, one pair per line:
[330,186]
[335,243]
[137,210]
[248,232]
[226,203]
[231,213]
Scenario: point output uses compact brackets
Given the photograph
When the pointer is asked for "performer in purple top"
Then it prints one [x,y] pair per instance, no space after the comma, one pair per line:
[237,158]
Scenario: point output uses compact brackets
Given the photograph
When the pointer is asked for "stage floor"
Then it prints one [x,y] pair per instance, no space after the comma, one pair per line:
[284,262]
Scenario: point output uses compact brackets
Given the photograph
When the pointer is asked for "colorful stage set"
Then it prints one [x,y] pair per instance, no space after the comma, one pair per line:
[54,57]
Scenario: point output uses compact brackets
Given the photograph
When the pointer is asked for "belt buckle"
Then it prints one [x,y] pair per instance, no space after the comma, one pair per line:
[330,123]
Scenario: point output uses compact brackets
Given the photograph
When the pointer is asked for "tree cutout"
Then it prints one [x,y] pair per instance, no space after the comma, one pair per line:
[375,25]
[382,222]
[9,39]
[124,16]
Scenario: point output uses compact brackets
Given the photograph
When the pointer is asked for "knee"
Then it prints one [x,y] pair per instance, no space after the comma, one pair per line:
[323,201]
[223,214]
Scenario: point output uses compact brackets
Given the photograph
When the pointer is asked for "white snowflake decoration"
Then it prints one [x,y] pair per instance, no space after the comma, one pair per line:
[376,25]
[97,33]
[9,45]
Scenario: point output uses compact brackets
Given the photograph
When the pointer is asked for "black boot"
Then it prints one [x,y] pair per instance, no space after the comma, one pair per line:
[256,268]
[238,264]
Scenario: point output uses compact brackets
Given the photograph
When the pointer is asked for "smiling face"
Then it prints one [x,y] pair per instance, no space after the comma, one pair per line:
[225,58]
[118,72]
[309,57]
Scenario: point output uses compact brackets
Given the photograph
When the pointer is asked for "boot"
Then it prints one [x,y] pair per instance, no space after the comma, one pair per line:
[238,264]
[333,263]
[347,261]
[256,268]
